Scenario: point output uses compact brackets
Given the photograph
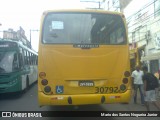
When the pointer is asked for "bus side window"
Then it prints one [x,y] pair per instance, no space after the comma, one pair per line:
[20,60]
[25,57]
[28,62]
[15,62]
[36,60]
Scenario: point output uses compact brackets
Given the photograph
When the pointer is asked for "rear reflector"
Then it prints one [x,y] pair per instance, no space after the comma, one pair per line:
[102,99]
[69,100]
[117,96]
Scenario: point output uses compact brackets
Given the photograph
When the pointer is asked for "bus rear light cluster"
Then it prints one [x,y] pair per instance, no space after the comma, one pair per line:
[122,87]
[47,89]
[125,80]
[44,82]
[127,74]
[42,75]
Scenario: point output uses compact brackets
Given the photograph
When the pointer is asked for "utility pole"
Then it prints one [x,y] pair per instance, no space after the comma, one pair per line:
[31,36]
[1,31]
[99,3]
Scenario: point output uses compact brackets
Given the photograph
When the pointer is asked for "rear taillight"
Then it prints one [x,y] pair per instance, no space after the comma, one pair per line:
[44,82]
[127,74]
[42,75]
[125,80]
[47,89]
[122,87]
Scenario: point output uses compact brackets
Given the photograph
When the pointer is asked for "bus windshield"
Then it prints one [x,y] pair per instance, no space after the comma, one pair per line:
[85,28]
[8,62]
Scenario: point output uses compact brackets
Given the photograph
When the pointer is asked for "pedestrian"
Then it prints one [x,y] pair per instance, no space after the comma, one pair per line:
[150,84]
[137,75]
[157,74]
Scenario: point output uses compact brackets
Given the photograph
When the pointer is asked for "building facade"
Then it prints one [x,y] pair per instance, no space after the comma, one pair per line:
[144,31]
[17,36]
[115,5]
[143,20]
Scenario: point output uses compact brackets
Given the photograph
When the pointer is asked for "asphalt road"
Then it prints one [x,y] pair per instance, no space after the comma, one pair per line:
[28,102]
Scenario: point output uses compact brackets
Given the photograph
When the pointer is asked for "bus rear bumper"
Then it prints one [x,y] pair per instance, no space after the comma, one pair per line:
[83,99]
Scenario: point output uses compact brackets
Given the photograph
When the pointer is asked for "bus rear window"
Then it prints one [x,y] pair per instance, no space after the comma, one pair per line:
[87,28]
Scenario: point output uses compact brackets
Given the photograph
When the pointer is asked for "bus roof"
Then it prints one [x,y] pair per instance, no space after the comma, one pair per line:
[19,44]
[85,11]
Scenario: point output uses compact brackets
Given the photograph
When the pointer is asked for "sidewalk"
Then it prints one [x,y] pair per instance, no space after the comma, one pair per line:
[142,107]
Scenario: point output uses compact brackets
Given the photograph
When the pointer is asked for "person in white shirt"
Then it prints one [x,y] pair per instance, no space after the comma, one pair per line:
[138,83]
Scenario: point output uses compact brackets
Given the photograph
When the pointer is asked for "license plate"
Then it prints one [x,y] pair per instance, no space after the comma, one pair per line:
[86,83]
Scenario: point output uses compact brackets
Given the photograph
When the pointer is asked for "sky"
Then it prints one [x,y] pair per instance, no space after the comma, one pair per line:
[27,14]
[134,6]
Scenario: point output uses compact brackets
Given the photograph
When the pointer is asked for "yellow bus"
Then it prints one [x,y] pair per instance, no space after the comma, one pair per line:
[83,58]
[135,57]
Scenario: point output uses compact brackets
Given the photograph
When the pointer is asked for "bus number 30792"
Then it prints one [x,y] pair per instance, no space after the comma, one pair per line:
[106,90]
